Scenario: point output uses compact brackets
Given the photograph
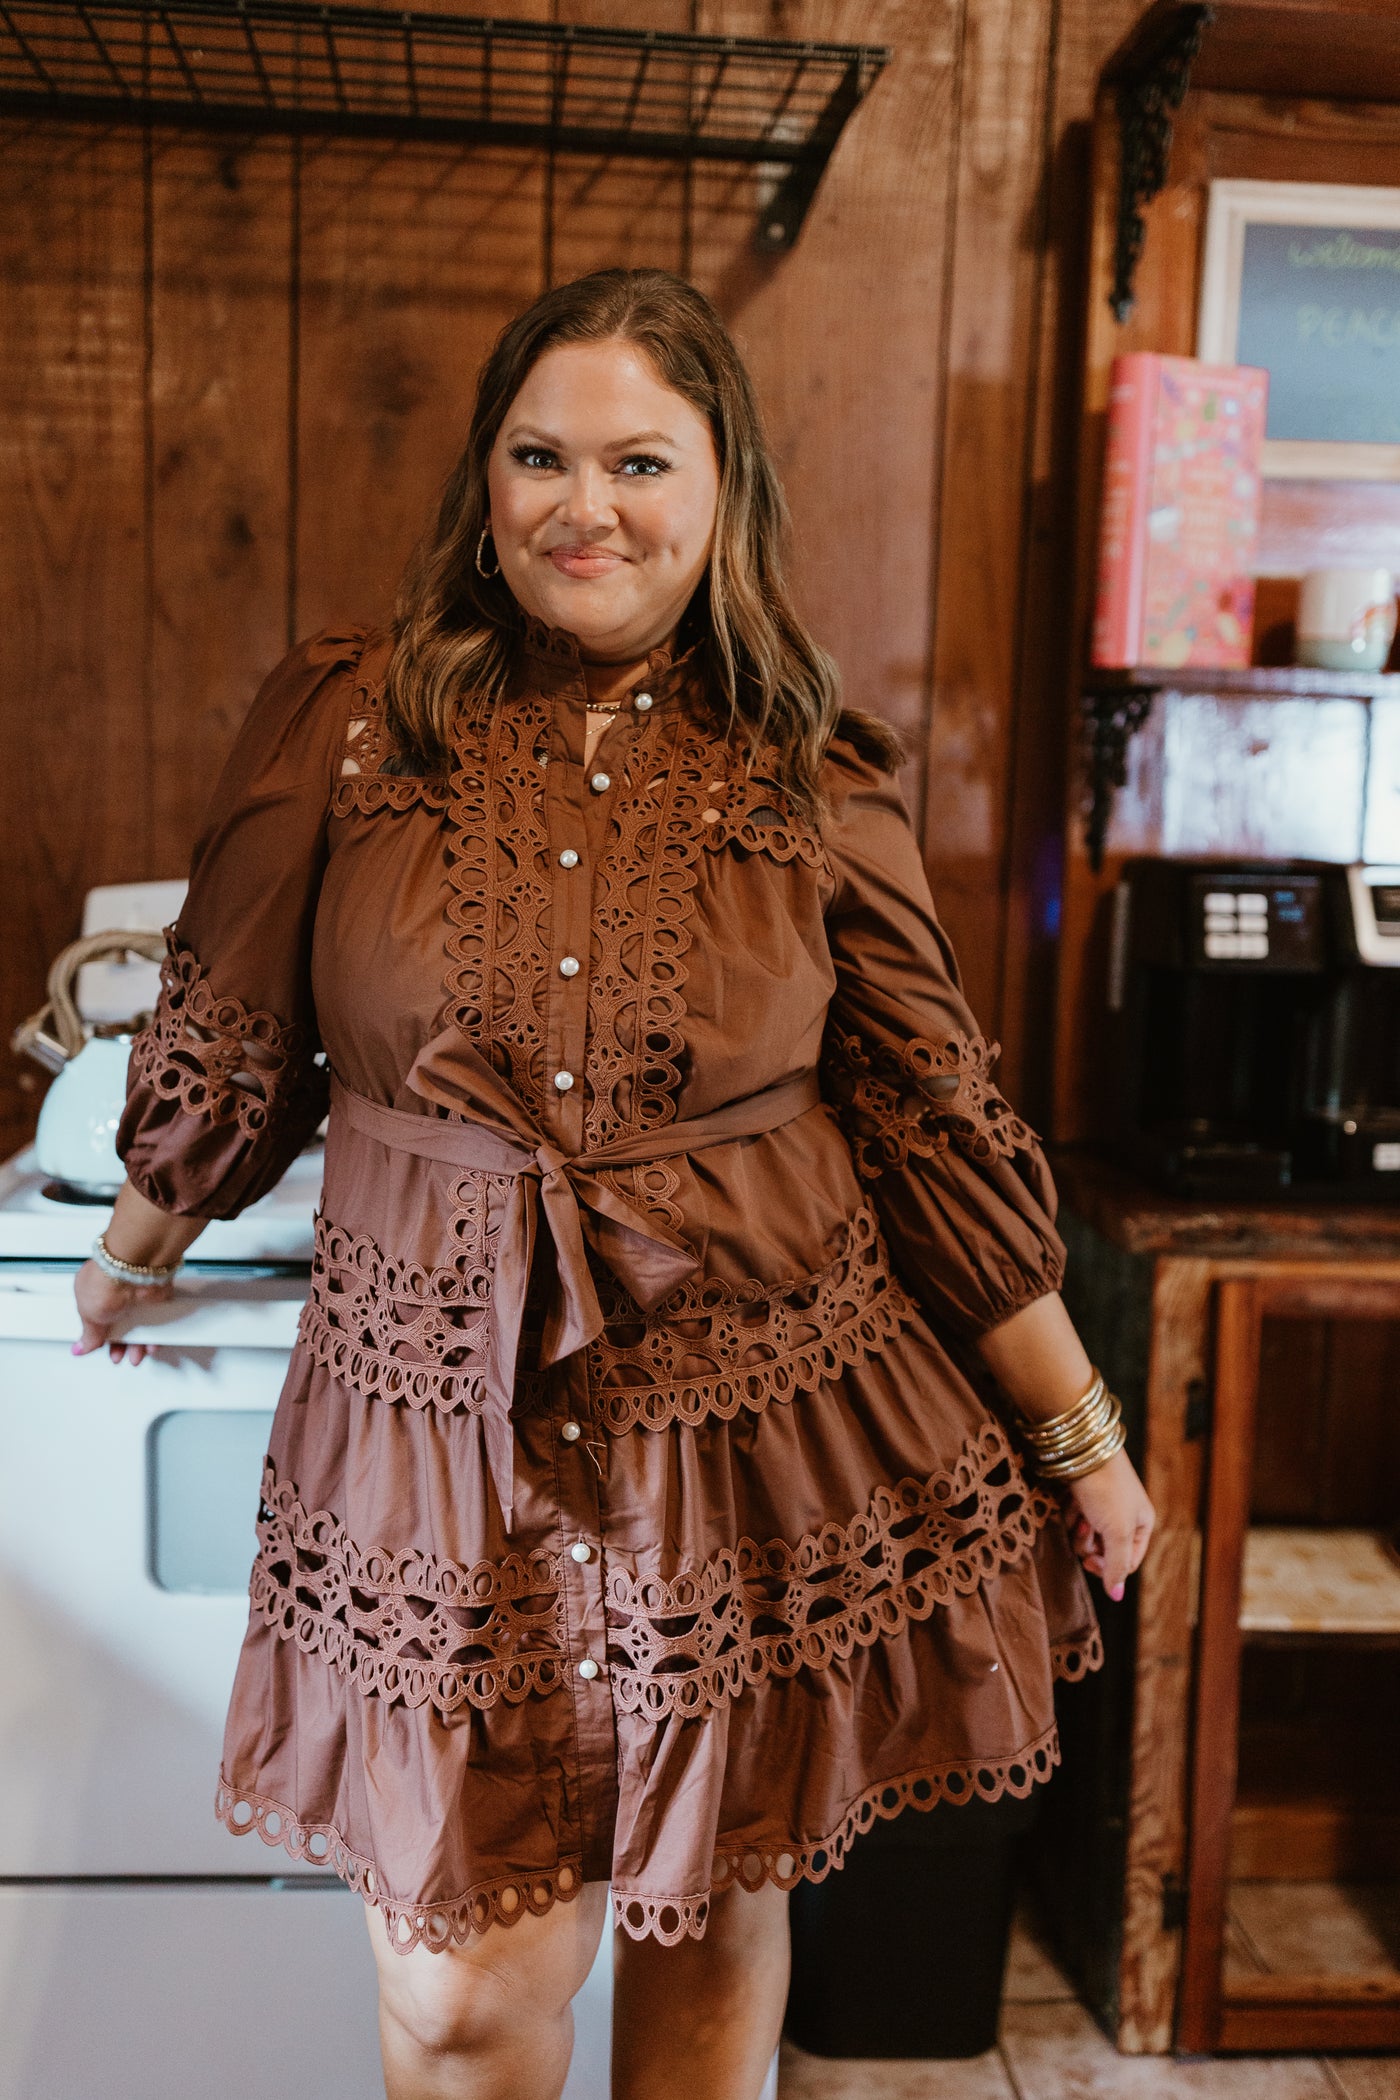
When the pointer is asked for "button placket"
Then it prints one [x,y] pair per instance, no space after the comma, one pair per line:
[578,804]
[582,1500]
[571,862]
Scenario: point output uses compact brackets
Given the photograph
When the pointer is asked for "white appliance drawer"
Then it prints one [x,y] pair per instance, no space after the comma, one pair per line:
[212,1993]
[194,1993]
[128,1498]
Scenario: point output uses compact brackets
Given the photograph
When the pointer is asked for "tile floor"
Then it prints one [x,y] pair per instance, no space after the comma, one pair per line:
[1051,2049]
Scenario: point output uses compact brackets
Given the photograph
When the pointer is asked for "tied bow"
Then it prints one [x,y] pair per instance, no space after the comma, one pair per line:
[488,1128]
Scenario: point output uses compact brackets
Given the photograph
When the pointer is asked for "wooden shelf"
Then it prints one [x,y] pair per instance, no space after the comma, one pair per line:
[1133,1214]
[1281,681]
[1303,1581]
[1275,47]
[1117,703]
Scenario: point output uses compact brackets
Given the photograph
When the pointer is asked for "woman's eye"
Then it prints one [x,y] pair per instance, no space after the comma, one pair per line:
[533,456]
[642,466]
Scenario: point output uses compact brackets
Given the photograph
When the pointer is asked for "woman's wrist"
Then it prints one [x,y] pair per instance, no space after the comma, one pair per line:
[141,1236]
[1080,1439]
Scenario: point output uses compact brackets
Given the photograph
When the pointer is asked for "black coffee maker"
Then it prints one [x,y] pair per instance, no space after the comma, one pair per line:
[1255,1011]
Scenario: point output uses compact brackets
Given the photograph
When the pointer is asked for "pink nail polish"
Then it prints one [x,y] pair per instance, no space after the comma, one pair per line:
[76,1350]
[1117,1593]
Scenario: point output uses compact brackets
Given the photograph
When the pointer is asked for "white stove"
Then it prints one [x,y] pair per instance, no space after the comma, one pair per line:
[146,1954]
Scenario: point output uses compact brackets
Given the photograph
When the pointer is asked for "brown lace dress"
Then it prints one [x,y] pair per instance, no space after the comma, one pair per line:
[627,1514]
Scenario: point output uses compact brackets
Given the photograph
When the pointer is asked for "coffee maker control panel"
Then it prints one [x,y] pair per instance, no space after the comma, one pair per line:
[1272,922]
[1374,896]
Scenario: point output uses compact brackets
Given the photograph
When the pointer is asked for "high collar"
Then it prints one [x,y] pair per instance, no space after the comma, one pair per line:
[553,663]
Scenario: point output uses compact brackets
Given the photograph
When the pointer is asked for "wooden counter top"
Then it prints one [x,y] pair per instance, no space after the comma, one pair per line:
[1132,1214]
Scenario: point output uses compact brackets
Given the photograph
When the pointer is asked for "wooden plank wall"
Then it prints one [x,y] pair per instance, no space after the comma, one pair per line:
[235,373]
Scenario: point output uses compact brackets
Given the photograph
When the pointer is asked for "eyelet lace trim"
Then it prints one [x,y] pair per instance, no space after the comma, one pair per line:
[674,1918]
[221,1059]
[498,913]
[642,931]
[1072,1659]
[713,1348]
[394,1330]
[408,1627]
[915,1098]
[362,784]
[752,1612]
[503,1901]
[669,1919]
[752,810]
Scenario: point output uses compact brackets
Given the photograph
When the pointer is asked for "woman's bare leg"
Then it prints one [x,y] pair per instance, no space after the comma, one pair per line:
[492,2020]
[702,2019]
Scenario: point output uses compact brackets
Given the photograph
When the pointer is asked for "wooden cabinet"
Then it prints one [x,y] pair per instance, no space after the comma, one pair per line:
[1222,1849]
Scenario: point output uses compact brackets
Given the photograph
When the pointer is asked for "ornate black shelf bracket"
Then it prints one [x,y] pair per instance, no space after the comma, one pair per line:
[1111,720]
[1147,97]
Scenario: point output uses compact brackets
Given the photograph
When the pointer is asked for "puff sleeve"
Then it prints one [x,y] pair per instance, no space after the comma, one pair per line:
[224,1087]
[959,1181]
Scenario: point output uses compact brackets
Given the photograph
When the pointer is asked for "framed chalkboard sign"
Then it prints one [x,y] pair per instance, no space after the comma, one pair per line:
[1304,279]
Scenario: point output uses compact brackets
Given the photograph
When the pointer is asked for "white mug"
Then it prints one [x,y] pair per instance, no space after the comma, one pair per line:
[1346,619]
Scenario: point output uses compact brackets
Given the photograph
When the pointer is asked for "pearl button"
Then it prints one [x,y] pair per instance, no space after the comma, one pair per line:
[571,1432]
[563,1080]
[588,1668]
[581,1551]
[709,816]
[568,858]
[600,783]
[568,966]
[642,703]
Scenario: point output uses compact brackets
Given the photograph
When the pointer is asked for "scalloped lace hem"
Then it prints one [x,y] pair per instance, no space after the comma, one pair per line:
[436,1926]
[1076,1657]
[784,1863]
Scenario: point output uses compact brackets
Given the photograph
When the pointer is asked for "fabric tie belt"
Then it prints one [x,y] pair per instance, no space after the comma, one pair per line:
[580,1209]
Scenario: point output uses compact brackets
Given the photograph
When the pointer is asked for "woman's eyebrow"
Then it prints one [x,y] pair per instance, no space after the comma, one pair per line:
[556,444]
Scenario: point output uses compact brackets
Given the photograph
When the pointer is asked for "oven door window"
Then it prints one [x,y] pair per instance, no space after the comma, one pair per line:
[205,1467]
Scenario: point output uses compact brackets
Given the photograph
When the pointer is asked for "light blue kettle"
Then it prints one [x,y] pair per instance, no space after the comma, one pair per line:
[76,1139]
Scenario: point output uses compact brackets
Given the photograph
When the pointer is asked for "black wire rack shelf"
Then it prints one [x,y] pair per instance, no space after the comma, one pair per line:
[284,66]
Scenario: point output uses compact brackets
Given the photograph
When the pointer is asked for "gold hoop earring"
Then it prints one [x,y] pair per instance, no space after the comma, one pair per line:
[481,568]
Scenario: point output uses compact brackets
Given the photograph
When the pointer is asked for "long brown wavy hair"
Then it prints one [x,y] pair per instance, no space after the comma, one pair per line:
[455,630]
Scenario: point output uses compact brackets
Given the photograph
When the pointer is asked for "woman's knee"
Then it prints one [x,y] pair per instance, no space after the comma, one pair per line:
[469,2001]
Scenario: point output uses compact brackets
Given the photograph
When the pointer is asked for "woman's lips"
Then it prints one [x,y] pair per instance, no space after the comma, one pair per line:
[584,561]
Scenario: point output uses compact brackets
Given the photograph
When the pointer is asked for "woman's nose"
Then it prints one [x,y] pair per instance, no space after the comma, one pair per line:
[587,501]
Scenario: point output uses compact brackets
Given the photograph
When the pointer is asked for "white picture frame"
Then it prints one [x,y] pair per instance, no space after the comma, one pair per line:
[1233,207]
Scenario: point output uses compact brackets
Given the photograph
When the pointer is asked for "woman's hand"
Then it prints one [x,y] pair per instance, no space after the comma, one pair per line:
[104,1304]
[139,1232]
[1039,1361]
[1110,1521]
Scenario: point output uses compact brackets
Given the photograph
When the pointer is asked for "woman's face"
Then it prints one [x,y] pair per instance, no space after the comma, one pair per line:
[603,486]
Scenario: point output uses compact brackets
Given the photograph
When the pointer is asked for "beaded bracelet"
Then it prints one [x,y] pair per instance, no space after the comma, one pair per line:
[142,1274]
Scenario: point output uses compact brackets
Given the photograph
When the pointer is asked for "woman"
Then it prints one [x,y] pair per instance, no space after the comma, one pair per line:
[634,1510]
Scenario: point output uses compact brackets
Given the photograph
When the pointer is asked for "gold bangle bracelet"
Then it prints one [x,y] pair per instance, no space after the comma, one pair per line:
[1083,1431]
[1071,1420]
[1079,1440]
[1071,1427]
[1088,1461]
